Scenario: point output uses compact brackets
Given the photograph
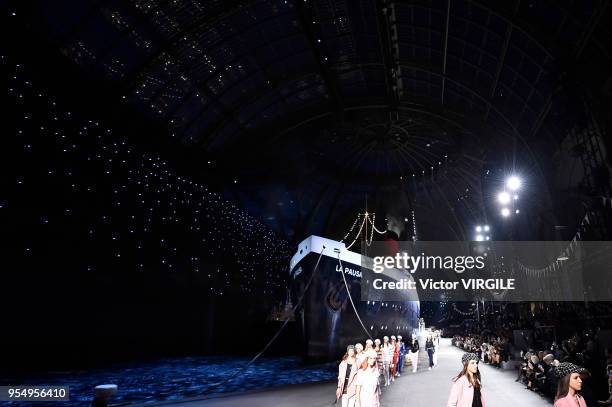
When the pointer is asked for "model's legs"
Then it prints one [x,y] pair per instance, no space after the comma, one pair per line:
[386,373]
[414,359]
[348,401]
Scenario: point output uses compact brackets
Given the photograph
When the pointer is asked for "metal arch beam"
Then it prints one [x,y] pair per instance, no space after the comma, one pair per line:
[448,8]
[380,9]
[204,90]
[187,67]
[429,111]
[456,119]
[403,64]
[533,33]
[476,67]
[215,96]
[513,133]
[593,22]
[419,109]
[502,60]
[479,25]
[427,5]
[257,95]
[254,98]
[226,117]
[461,123]
[204,20]
[305,16]
[252,73]
[472,91]
[529,30]
[225,90]
[592,25]
[202,81]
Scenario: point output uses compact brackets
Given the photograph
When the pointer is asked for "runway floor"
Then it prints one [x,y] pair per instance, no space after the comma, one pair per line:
[425,388]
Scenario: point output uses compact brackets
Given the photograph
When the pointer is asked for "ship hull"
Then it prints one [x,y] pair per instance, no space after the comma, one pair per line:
[327,320]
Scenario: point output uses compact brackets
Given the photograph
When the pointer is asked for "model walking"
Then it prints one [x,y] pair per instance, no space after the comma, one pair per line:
[569,385]
[366,384]
[436,341]
[347,371]
[387,354]
[394,359]
[402,352]
[467,385]
[359,353]
[430,348]
[413,353]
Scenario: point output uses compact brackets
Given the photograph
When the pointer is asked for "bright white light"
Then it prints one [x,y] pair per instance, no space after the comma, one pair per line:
[513,183]
[505,212]
[479,238]
[503,198]
[486,228]
[478,229]
[517,211]
[515,197]
[487,237]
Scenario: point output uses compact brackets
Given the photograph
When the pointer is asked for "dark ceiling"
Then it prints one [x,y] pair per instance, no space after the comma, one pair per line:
[305,109]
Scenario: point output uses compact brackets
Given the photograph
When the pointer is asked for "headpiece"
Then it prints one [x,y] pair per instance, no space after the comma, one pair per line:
[469,356]
[566,368]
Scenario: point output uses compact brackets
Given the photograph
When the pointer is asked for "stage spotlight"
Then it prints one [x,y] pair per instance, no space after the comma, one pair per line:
[505,212]
[487,238]
[513,183]
[479,238]
[503,198]
[486,228]
[478,229]
[517,211]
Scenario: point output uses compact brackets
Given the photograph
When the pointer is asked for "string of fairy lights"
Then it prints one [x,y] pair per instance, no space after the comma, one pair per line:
[366,218]
[136,212]
[557,264]
[464,313]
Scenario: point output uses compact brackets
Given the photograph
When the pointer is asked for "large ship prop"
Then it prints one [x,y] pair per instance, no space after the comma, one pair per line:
[326,280]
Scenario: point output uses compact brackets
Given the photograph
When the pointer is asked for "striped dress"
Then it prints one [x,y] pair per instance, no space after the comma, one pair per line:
[379,358]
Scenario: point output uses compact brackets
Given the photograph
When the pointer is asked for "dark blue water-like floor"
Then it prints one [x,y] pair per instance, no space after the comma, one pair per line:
[175,379]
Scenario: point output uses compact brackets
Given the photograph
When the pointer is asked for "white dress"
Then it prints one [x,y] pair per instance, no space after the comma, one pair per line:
[368,380]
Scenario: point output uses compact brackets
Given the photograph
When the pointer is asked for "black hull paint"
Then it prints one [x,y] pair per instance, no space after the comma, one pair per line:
[327,320]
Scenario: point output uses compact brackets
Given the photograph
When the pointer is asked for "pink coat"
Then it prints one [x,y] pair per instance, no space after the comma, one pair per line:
[568,401]
[350,391]
[462,394]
